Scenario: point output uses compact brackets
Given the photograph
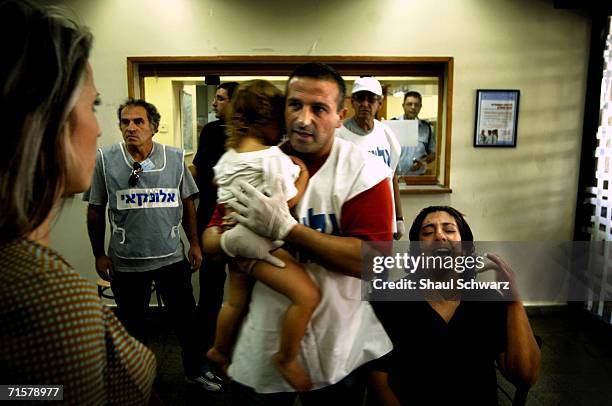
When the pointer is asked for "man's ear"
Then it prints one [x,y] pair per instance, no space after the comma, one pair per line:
[341,115]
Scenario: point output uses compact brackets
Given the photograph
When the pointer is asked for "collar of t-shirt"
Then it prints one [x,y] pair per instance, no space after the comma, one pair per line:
[351,125]
[147,164]
[313,164]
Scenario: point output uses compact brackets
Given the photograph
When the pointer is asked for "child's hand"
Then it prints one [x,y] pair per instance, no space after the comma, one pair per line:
[301,164]
[228,222]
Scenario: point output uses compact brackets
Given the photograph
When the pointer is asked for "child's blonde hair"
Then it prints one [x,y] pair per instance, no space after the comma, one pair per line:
[255,103]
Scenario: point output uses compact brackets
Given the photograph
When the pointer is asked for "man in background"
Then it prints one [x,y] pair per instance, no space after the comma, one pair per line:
[211,146]
[413,160]
[364,130]
[212,273]
[149,192]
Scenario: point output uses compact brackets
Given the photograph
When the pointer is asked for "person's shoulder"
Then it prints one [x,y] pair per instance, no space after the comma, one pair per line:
[168,149]
[275,151]
[424,122]
[356,157]
[116,147]
[212,125]
[343,131]
[28,265]
[348,120]
[485,301]
[342,146]
[228,156]
[17,263]
[211,132]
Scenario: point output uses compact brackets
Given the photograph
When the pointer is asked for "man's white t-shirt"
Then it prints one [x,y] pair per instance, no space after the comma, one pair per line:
[343,333]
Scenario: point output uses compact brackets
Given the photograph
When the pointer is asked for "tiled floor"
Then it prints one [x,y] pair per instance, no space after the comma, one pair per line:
[576,359]
[576,363]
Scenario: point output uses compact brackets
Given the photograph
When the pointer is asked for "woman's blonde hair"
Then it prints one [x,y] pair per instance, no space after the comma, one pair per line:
[255,103]
[42,68]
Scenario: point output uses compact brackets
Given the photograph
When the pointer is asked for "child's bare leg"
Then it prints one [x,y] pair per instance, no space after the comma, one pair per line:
[292,281]
[229,317]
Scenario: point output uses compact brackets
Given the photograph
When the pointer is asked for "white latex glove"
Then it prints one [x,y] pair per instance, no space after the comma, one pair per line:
[242,242]
[401,229]
[267,216]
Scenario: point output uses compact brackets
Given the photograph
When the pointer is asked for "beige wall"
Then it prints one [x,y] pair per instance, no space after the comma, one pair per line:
[525,193]
[161,94]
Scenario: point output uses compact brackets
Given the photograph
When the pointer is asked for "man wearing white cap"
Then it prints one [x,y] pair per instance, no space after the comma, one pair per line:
[364,130]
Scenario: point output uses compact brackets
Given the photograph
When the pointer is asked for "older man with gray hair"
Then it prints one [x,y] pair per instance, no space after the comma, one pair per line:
[364,130]
[150,193]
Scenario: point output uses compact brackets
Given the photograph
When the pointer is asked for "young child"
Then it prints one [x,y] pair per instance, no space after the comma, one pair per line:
[256,117]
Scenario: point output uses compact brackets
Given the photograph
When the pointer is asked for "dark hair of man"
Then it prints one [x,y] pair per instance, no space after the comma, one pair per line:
[321,71]
[229,87]
[152,114]
[43,66]
[413,93]
[464,229]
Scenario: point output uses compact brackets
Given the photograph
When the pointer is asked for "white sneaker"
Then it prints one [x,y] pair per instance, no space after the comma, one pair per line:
[213,377]
[205,382]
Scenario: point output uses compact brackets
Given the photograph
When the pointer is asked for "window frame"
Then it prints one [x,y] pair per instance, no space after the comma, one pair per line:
[139,67]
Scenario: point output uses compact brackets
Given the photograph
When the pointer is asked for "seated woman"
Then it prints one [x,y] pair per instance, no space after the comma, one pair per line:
[446,344]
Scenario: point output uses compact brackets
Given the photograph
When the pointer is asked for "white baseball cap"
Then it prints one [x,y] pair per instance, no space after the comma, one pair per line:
[369,84]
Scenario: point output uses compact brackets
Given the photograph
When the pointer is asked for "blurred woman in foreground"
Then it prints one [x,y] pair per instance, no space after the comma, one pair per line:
[54,329]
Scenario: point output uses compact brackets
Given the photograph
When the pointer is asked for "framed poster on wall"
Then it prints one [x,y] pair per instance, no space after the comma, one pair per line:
[496,118]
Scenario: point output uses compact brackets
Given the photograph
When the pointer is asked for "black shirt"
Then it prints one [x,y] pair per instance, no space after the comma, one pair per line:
[435,363]
[210,149]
